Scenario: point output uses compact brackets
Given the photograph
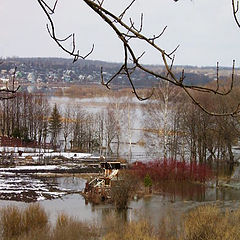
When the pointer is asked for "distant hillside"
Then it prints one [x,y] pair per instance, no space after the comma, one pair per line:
[49,70]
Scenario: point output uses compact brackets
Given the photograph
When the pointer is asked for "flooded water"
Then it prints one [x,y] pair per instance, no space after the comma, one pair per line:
[62,195]
[152,207]
[96,105]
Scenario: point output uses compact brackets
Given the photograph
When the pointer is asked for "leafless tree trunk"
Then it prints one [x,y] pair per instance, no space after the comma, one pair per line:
[66,126]
[159,121]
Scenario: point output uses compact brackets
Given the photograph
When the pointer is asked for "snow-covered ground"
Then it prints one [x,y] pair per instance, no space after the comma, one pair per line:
[21,183]
[68,155]
[32,168]
[21,153]
[26,188]
[29,187]
[23,149]
[44,152]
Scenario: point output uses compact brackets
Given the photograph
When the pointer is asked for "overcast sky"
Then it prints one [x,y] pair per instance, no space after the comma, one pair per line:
[205,30]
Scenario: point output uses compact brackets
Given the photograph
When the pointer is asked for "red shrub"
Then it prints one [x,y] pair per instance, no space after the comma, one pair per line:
[170,169]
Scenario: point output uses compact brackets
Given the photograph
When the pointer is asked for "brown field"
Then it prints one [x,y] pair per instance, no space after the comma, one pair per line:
[90,91]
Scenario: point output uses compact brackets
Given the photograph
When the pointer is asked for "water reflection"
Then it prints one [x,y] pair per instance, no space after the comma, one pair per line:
[197,192]
[180,191]
[176,200]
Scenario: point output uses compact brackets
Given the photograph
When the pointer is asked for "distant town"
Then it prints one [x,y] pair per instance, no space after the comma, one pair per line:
[41,73]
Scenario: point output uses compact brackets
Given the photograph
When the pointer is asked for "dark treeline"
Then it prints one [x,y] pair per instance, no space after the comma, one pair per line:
[30,118]
[174,128]
[25,117]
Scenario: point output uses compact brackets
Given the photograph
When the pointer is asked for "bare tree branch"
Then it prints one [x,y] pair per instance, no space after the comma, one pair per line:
[233,113]
[235,7]
[9,92]
[51,10]
[51,30]
[126,32]
[159,35]
[125,10]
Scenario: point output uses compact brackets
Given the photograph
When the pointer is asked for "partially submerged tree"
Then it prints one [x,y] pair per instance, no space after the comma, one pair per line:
[66,125]
[191,133]
[128,34]
[55,125]
[159,118]
[124,189]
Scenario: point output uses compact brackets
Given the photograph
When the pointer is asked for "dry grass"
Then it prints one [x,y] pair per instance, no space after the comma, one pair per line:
[34,217]
[16,222]
[11,222]
[140,230]
[70,229]
[202,223]
[210,223]
[32,224]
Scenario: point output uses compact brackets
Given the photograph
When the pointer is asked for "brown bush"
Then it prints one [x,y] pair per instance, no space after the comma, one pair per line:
[70,229]
[124,189]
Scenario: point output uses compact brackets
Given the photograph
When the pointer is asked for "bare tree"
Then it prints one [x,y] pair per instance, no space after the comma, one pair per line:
[128,33]
[210,137]
[10,89]
[159,121]
[99,126]
[120,111]
[112,128]
[66,125]
[85,135]
[24,117]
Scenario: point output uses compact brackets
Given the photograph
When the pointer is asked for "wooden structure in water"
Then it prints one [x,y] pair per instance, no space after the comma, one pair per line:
[99,189]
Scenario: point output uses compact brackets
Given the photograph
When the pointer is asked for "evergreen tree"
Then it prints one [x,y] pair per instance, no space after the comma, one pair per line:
[55,125]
